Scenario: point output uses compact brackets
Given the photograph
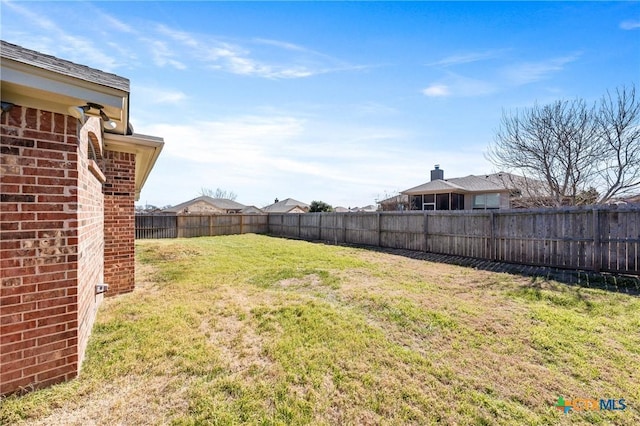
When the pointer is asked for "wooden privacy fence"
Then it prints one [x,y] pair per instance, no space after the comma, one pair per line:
[168,226]
[603,239]
[156,226]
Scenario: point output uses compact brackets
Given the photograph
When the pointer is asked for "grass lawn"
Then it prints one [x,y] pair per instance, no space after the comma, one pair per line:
[259,330]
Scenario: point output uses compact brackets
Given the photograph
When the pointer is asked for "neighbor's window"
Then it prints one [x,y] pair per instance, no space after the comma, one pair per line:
[416,202]
[486,201]
[457,201]
[442,201]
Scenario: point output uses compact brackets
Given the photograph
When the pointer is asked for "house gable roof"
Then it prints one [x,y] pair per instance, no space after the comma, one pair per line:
[285,206]
[219,203]
[251,210]
[498,182]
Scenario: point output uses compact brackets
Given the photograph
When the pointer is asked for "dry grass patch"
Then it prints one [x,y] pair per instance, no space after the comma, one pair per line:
[251,329]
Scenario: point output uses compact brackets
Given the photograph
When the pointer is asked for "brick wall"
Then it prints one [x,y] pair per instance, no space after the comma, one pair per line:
[38,249]
[90,232]
[119,222]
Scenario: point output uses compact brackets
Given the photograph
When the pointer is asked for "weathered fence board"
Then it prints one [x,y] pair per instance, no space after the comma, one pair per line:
[156,226]
[185,226]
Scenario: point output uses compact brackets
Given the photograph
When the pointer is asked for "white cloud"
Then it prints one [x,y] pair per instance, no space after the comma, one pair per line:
[529,72]
[630,24]
[455,85]
[263,156]
[470,57]
[79,49]
[437,90]
[162,54]
[155,95]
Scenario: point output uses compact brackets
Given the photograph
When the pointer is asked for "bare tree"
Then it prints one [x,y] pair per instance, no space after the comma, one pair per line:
[580,153]
[619,122]
[218,193]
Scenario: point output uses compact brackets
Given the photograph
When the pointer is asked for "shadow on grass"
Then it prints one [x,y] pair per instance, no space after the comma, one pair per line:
[627,284]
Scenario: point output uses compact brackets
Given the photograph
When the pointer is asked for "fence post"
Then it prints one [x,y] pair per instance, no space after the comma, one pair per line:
[379,229]
[597,259]
[426,231]
[492,236]
[344,227]
[299,217]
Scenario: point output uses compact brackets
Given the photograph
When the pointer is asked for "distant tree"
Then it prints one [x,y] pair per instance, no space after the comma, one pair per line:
[393,201]
[579,153]
[320,206]
[218,193]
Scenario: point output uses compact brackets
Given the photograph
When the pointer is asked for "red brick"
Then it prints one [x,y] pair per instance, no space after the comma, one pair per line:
[43,295]
[18,345]
[9,356]
[17,179]
[18,385]
[17,291]
[44,331]
[16,217]
[31,118]
[10,319]
[66,318]
[59,374]
[46,121]
[35,171]
[41,278]
[66,336]
[57,145]
[6,339]
[57,354]
[16,272]
[44,348]
[9,376]
[59,122]
[50,365]
[9,226]
[60,301]
[18,364]
[44,313]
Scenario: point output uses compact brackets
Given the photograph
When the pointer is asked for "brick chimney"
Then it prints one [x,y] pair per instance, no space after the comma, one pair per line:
[437,173]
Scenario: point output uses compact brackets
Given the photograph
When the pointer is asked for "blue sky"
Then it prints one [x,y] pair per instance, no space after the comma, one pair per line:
[334,101]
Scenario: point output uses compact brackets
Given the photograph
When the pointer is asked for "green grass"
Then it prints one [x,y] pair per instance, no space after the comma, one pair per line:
[255,330]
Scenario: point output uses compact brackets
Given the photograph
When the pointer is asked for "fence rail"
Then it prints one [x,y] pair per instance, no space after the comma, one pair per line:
[603,239]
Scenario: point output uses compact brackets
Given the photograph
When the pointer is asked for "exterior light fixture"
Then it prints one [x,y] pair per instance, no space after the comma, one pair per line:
[79,112]
[107,123]
[6,106]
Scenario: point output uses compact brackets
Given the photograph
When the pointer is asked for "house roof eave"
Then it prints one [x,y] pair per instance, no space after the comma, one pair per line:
[146,148]
[40,81]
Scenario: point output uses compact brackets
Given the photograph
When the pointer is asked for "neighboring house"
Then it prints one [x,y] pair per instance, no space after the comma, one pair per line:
[398,202]
[366,209]
[495,191]
[206,205]
[287,206]
[67,193]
